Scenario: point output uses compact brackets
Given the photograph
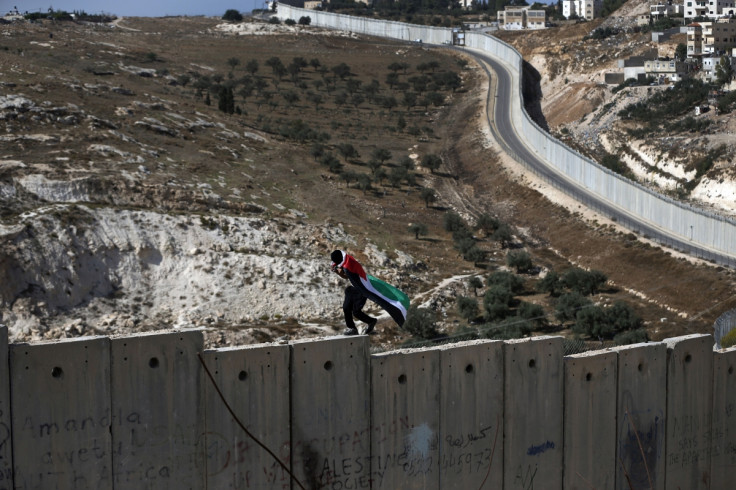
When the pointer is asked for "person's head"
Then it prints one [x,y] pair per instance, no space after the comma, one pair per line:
[337,257]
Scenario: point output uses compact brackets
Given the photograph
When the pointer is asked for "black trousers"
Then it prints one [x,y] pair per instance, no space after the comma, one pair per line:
[353,305]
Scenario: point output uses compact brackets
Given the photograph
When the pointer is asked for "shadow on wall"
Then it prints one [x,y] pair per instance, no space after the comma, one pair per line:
[532,93]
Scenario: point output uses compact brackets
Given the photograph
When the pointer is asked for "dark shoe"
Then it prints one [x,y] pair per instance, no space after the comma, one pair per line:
[350,331]
[371,326]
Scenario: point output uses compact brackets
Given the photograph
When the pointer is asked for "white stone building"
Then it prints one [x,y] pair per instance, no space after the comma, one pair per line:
[515,18]
[705,38]
[585,9]
[714,9]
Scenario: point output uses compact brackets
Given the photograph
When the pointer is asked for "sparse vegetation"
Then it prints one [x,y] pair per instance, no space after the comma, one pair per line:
[281,150]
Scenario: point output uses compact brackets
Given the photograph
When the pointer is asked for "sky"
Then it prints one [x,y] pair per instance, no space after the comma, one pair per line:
[133,8]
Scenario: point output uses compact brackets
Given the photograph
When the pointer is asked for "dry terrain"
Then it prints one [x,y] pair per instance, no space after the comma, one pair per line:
[130,204]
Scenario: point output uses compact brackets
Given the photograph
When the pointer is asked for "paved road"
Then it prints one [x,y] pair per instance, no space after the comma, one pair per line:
[502,128]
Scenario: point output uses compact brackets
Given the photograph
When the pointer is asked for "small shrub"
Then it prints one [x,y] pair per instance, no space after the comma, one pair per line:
[631,337]
[582,281]
[568,304]
[232,15]
[421,323]
[520,260]
[729,340]
[510,281]
[468,308]
[550,284]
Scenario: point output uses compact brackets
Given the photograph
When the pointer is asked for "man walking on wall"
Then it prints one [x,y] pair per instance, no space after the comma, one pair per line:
[363,287]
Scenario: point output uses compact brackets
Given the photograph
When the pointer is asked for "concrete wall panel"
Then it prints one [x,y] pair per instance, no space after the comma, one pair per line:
[330,412]
[640,416]
[590,420]
[471,415]
[533,415]
[60,395]
[723,453]
[6,454]
[689,411]
[159,409]
[405,419]
[255,383]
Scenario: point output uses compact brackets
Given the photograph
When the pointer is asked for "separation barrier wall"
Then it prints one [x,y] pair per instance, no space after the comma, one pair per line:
[716,234]
[140,412]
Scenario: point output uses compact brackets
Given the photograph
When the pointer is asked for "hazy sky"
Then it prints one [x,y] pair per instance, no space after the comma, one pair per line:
[141,8]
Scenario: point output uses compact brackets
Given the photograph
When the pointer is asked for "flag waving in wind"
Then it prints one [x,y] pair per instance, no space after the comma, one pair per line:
[391,299]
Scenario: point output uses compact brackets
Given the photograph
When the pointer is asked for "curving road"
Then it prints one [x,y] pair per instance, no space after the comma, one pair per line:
[499,120]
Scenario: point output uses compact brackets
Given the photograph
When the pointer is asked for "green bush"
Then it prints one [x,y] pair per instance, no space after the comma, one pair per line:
[497,303]
[510,328]
[582,281]
[232,15]
[468,308]
[421,323]
[568,304]
[532,313]
[418,229]
[606,323]
[666,104]
[729,340]
[502,235]
[550,283]
[631,337]
[592,321]
[520,260]
[475,283]
[508,280]
[452,222]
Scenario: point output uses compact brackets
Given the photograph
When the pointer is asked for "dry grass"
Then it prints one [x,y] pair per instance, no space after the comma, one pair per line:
[83,68]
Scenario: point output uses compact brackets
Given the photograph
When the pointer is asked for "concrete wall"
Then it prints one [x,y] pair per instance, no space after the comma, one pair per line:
[61,414]
[471,415]
[405,419]
[140,412]
[590,420]
[690,224]
[254,380]
[6,460]
[330,412]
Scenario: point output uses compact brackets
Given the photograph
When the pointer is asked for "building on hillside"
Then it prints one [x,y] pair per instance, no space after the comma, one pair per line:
[718,8]
[312,4]
[711,37]
[584,9]
[719,36]
[710,63]
[634,66]
[666,70]
[665,9]
[694,40]
[643,20]
[515,18]
[666,35]
[713,9]
[696,8]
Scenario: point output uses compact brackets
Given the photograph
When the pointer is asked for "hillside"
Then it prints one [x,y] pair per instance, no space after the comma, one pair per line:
[129,203]
[583,111]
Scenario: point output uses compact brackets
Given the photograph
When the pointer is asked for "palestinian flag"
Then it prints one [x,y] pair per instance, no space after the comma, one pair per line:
[391,299]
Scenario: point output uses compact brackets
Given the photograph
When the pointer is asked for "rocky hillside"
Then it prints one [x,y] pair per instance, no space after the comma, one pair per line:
[130,201]
[582,110]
